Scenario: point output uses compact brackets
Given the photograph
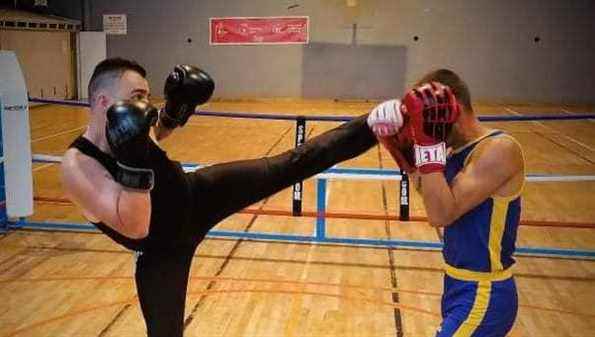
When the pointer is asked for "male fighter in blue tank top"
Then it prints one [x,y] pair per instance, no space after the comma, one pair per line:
[130,189]
[474,192]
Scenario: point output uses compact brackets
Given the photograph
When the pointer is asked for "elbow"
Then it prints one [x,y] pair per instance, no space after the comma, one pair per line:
[133,215]
[135,230]
[133,227]
[140,232]
[436,222]
[441,219]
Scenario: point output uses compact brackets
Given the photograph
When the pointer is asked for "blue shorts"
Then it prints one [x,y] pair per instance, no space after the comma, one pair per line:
[481,309]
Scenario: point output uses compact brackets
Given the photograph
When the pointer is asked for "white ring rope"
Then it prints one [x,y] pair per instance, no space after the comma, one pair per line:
[45,158]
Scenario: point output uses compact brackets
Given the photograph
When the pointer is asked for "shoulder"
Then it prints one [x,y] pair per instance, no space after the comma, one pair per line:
[70,160]
[73,160]
[76,164]
[502,142]
[70,157]
[498,151]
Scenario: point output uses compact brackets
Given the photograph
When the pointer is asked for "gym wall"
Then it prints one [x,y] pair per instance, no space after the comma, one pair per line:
[507,51]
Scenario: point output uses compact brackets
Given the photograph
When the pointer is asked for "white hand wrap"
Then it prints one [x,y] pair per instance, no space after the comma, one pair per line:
[386,118]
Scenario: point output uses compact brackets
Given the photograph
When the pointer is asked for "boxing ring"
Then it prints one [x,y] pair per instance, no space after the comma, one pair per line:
[321,213]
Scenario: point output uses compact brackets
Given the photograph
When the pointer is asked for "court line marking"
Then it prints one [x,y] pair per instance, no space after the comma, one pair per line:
[278,260]
[289,282]
[397,315]
[115,319]
[204,293]
[553,130]
[567,148]
[41,167]
[568,112]
[57,134]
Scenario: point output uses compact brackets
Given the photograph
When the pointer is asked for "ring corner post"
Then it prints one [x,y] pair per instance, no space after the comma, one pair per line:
[404,197]
[300,138]
[16,139]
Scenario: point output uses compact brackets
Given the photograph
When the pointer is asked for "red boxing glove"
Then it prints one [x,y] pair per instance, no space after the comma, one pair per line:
[431,111]
[401,149]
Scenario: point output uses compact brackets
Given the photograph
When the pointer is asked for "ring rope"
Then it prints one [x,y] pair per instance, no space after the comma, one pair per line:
[538,117]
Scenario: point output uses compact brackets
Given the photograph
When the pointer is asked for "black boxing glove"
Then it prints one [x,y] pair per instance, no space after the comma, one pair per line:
[127,131]
[185,88]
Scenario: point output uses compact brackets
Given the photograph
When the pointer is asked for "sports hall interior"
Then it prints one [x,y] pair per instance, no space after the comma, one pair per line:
[521,59]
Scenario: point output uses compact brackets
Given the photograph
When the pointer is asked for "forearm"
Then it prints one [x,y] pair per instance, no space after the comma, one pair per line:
[133,211]
[438,198]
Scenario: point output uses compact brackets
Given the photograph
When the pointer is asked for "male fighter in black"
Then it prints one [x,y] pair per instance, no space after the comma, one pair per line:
[129,188]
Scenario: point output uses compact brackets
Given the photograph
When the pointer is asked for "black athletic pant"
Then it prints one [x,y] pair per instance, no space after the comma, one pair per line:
[219,191]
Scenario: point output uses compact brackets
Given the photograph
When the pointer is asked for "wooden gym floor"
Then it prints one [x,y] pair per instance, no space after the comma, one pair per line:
[80,284]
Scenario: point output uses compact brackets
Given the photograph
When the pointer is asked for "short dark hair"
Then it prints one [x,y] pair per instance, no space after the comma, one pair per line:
[108,71]
[450,78]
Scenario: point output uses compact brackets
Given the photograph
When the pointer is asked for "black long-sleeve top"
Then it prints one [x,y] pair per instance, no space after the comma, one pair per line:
[185,206]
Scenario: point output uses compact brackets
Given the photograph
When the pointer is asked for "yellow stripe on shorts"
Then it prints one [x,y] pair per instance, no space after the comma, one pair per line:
[478,311]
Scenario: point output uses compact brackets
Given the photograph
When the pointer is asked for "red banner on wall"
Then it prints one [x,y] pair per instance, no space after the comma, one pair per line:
[263,30]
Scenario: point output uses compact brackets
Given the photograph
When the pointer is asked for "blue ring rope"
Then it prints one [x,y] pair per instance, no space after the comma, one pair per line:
[406,244]
[538,117]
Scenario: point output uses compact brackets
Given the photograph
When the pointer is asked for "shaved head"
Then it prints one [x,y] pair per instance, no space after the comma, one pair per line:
[107,74]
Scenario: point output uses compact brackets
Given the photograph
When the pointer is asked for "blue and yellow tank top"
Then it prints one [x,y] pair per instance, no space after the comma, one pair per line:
[482,241]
